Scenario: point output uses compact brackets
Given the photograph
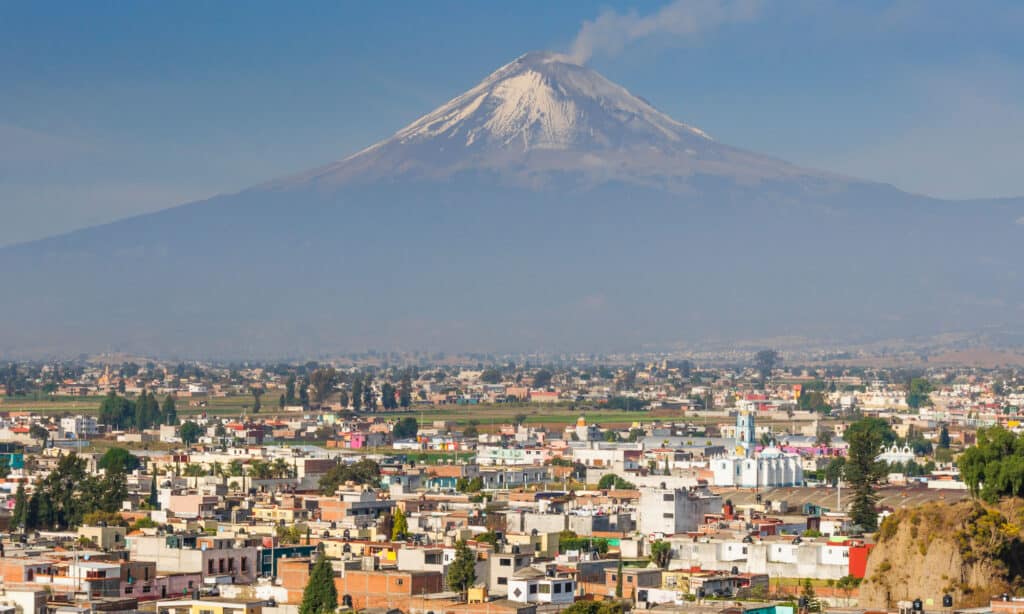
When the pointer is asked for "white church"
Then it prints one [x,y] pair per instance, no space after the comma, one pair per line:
[745,468]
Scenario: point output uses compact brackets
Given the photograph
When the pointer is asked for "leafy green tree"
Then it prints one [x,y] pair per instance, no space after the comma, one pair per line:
[369,395]
[862,471]
[994,466]
[765,362]
[462,571]
[387,396]
[470,431]
[809,597]
[400,526]
[405,390]
[944,439]
[146,411]
[661,553]
[190,432]
[468,485]
[39,433]
[490,375]
[542,378]
[289,390]
[322,381]
[320,595]
[488,537]
[406,428]
[119,459]
[919,393]
[169,411]
[834,470]
[357,392]
[594,607]
[257,403]
[364,471]
[814,401]
[116,411]
[610,480]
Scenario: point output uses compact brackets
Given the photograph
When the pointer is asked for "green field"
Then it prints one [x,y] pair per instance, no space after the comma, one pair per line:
[487,416]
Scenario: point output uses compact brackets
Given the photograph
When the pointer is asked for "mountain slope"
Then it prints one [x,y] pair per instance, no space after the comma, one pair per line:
[541,115]
[546,208]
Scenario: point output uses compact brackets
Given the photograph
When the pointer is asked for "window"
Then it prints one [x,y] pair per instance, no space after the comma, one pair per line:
[505,562]
[400,581]
[533,589]
[667,515]
[211,566]
[558,587]
[502,580]
[545,589]
[668,497]
[245,563]
[128,590]
[629,579]
[614,578]
[147,588]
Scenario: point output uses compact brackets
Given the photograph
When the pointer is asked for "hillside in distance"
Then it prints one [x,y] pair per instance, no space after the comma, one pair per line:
[547,208]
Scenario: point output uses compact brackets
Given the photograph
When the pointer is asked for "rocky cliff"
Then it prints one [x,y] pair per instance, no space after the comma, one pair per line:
[969,550]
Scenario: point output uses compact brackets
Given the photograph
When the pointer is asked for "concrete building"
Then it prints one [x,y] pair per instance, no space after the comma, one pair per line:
[668,511]
[211,557]
[530,585]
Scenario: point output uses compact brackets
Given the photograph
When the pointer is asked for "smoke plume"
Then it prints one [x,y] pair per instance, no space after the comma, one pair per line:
[611,32]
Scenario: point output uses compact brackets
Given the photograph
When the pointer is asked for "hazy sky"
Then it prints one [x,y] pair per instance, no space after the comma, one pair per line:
[112,109]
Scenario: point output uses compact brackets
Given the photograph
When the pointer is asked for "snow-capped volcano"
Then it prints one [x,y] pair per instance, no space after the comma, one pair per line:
[541,114]
[542,101]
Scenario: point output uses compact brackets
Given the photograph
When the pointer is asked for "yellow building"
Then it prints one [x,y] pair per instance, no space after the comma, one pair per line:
[276,514]
[209,606]
[545,545]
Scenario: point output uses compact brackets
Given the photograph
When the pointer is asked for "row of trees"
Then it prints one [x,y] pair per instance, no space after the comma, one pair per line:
[66,495]
[360,394]
[142,413]
[364,471]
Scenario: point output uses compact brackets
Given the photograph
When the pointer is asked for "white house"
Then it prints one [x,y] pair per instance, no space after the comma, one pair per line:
[532,586]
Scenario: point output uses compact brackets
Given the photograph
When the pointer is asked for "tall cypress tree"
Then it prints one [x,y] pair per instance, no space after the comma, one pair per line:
[154,501]
[320,596]
[400,527]
[20,506]
[462,571]
[169,415]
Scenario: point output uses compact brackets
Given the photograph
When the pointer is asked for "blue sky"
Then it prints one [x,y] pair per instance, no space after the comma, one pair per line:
[112,109]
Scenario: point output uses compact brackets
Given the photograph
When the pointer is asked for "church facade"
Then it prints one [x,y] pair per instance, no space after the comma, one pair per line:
[747,468]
